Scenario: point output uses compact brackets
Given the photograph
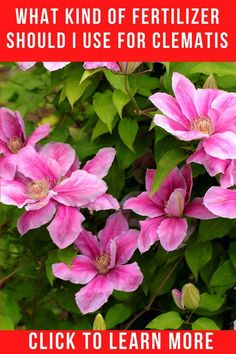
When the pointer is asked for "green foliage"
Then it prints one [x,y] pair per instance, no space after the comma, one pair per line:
[168,320]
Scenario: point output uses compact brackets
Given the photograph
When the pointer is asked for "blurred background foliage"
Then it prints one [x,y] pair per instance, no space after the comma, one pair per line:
[91,110]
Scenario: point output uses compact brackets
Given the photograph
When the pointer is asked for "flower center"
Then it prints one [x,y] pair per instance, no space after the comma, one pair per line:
[38,189]
[102,263]
[15,144]
[203,125]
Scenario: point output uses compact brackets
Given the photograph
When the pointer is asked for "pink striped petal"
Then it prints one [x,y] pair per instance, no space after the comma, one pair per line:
[25,65]
[148,234]
[126,277]
[112,65]
[221,202]
[95,294]
[36,167]
[115,225]
[105,202]
[187,174]
[169,106]
[172,232]
[196,209]
[143,205]
[184,92]
[79,189]
[35,218]
[88,244]
[203,100]
[101,162]
[39,134]
[176,203]
[221,145]
[126,245]
[228,179]
[13,193]
[81,271]
[12,124]
[66,226]
[8,166]
[60,152]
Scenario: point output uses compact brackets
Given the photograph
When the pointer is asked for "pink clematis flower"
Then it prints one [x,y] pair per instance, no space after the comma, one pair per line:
[166,210]
[221,202]
[208,115]
[102,264]
[50,185]
[13,139]
[50,66]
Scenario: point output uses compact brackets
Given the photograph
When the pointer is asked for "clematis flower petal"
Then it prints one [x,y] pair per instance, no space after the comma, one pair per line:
[115,225]
[88,244]
[228,179]
[172,232]
[36,167]
[101,162]
[53,66]
[79,189]
[184,92]
[196,209]
[174,180]
[62,153]
[13,193]
[176,202]
[39,134]
[25,65]
[66,226]
[12,124]
[8,166]
[224,101]
[105,202]
[148,234]
[143,205]
[221,202]
[126,277]
[95,294]
[187,174]
[126,245]
[203,100]
[226,121]
[169,106]
[81,271]
[35,218]
[221,145]
[112,65]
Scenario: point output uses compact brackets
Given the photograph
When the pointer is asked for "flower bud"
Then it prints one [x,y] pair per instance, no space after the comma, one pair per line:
[210,83]
[177,296]
[190,297]
[129,67]
[99,323]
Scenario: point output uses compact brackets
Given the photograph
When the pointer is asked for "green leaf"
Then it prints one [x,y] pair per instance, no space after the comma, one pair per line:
[225,274]
[128,129]
[52,258]
[9,308]
[204,324]
[66,255]
[117,314]
[211,302]
[220,69]
[211,229]
[74,90]
[87,74]
[104,107]
[232,253]
[99,129]
[6,323]
[120,100]
[168,320]
[165,165]
[197,256]
[115,180]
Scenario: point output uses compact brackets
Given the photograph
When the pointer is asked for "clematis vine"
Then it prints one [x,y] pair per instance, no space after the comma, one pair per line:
[51,186]
[208,115]
[166,210]
[102,264]
[50,66]
[13,139]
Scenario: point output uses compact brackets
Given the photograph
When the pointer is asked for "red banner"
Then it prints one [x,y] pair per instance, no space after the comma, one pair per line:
[117,30]
[23,342]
